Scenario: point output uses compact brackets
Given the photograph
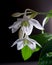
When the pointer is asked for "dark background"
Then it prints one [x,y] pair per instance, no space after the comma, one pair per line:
[8,54]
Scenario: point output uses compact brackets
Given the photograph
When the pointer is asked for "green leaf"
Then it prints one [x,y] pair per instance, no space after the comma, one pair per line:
[26,52]
[46,54]
[49,13]
[42,38]
[45,60]
[49,54]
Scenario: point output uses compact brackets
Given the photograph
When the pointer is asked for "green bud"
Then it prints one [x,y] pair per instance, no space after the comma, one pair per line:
[49,54]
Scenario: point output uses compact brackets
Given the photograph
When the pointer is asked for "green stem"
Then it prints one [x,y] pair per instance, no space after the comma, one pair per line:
[44,13]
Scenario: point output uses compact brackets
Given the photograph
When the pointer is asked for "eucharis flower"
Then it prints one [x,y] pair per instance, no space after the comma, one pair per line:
[26,41]
[26,24]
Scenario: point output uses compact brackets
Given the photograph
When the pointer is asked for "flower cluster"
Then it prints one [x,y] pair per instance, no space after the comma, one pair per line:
[26,25]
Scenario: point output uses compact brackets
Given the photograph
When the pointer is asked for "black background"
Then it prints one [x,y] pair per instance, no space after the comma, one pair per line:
[8,54]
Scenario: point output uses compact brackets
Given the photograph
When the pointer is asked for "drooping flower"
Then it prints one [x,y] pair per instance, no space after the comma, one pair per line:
[26,24]
[26,41]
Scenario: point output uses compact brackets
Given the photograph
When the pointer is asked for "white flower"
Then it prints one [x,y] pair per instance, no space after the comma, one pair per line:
[26,24]
[26,41]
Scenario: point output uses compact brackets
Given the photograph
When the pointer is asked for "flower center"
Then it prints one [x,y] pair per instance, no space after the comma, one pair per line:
[25,23]
[26,41]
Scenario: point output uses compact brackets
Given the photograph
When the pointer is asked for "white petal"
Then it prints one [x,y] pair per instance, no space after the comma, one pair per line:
[30,28]
[15,26]
[20,45]
[14,30]
[36,24]
[32,45]
[27,30]
[44,21]
[38,44]
[34,42]
[16,42]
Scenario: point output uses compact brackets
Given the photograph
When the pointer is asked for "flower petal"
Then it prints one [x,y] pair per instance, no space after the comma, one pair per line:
[34,42]
[44,21]
[15,26]
[36,24]
[38,44]
[31,45]
[27,30]
[20,45]
[16,42]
